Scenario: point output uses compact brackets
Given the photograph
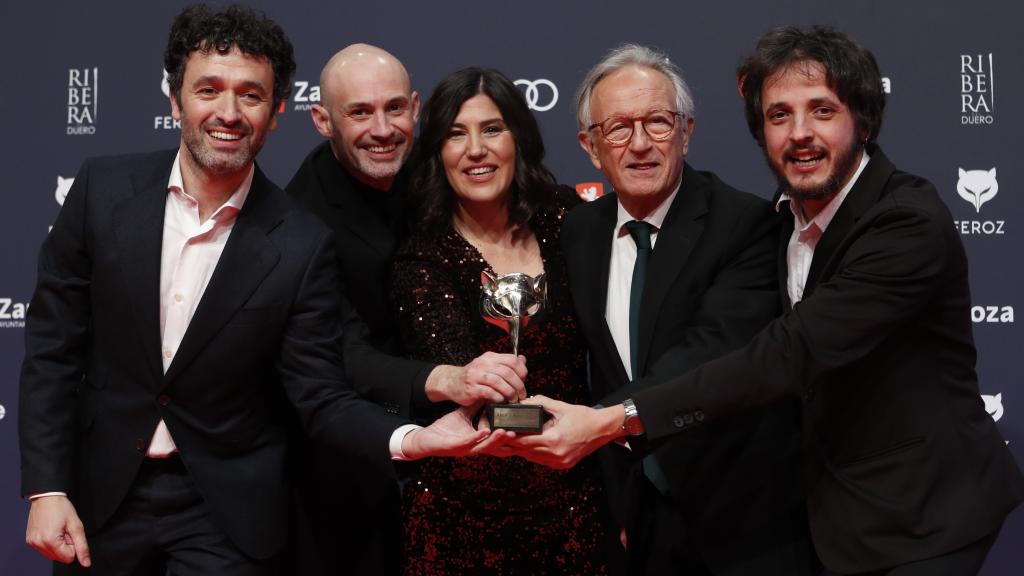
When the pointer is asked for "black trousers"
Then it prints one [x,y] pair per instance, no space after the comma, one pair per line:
[966,561]
[161,529]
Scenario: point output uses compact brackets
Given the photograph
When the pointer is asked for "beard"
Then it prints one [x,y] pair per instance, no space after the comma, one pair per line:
[215,161]
[383,172]
[845,162]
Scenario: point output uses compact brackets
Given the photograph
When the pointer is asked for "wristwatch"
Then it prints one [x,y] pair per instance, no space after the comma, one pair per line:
[631,424]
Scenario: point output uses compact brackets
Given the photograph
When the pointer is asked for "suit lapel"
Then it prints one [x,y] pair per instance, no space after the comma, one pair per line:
[679,232]
[138,233]
[591,287]
[861,197]
[248,257]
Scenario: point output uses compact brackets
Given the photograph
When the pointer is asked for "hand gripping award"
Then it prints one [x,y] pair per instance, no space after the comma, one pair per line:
[509,301]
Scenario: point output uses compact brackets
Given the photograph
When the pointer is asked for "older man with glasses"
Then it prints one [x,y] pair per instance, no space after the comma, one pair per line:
[671,270]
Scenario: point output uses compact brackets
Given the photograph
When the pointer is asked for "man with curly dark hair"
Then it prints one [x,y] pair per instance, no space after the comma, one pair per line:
[904,472]
[186,308]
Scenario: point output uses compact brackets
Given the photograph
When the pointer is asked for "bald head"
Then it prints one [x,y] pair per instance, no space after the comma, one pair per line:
[368,112]
[358,65]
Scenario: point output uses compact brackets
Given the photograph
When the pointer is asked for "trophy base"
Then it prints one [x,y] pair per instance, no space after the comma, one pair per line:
[518,418]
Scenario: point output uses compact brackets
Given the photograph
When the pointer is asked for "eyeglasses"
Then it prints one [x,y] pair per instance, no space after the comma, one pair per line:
[658,125]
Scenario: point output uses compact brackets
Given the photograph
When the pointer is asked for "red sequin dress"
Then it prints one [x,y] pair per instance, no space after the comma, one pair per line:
[488,515]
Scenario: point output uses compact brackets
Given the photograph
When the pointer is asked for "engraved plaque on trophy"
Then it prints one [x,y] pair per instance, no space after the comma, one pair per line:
[509,301]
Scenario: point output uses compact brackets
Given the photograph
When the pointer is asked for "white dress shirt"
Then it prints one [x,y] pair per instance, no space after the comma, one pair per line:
[189,254]
[804,239]
[620,274]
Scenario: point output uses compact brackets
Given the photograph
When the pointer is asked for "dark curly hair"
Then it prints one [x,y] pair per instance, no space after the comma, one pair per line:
[198,28]
[850,71]
[533,184]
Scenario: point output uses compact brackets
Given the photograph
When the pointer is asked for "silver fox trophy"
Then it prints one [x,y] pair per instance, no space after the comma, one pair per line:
[509,301]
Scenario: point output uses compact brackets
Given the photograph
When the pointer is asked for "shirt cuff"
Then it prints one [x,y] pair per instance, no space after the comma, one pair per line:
[32,497]
[395,444]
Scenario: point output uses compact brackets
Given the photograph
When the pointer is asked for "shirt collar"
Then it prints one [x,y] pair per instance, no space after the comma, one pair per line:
[824,217]
[655,218]
[234,202]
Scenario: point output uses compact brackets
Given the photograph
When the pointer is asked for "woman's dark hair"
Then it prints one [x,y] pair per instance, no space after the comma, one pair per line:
[198,28]
[850,71]
[532,185]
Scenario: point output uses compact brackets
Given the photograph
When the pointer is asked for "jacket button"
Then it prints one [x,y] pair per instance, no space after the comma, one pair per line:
[699,415]
[140,444]
[163,399]
[678,422]
[688,418]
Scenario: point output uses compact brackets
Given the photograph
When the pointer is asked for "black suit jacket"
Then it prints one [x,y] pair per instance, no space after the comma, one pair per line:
[902,462]
[265,334]
[711,286]
[364,247]
[376,367]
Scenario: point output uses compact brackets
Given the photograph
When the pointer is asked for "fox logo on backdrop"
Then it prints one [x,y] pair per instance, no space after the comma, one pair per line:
[994,405]
[977,186]
[63,185]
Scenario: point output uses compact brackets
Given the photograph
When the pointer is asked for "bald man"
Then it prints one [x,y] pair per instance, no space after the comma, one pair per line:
[355,182]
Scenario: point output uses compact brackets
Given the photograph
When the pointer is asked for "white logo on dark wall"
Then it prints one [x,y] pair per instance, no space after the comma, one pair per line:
[83,95]
[12,313]
[63,185]
[977,89]
[166,122]
[992,314]
[3,411]
[977,188]
[541,94]
[994,405]
[305,95]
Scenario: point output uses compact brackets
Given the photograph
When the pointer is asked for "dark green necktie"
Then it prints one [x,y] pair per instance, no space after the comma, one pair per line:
[641,233]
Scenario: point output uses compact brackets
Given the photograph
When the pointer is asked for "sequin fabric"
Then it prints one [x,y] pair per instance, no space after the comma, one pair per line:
[488,515]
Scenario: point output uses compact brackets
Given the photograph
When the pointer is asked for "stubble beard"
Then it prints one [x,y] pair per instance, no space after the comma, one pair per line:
[845,161]
[218,163]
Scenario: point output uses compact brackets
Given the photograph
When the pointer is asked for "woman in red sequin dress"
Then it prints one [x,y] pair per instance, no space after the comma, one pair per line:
[486,202]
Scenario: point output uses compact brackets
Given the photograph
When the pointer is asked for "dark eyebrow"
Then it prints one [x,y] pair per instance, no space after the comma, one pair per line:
[213,79]
[819,101]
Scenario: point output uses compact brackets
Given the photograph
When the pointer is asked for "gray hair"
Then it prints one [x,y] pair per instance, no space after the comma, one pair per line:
[623,57]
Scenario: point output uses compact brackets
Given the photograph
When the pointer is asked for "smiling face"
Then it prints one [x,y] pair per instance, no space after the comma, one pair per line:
[479,153]
[368,113]
[225,111]
[811,138]
[642,171]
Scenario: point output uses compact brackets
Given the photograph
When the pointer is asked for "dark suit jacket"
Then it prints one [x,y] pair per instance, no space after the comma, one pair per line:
[711,286]
[902,462]
[375,365]
[265,334]
[364,247]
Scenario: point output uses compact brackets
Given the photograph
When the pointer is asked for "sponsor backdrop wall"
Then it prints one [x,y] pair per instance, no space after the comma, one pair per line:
[86,78]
